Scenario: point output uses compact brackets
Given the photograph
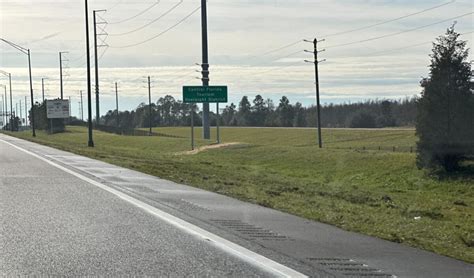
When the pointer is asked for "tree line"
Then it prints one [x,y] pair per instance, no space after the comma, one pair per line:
[168,111]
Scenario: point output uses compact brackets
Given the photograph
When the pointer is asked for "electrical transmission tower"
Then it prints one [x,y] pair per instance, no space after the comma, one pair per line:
[98,36]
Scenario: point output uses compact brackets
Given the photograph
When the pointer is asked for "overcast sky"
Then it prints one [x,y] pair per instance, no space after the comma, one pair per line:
[241,35]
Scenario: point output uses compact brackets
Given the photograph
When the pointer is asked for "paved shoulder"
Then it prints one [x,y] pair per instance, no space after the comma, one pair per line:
[53,222]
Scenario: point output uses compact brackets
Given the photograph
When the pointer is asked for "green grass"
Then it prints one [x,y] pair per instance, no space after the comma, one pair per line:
[377,193]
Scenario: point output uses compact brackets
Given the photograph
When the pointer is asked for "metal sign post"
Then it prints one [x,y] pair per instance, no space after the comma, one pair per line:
[192,127]
[217,124]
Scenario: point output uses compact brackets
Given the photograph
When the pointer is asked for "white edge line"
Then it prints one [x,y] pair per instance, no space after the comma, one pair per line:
[223,244]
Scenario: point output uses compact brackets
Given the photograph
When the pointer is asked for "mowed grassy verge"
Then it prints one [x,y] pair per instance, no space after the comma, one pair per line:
[378,193]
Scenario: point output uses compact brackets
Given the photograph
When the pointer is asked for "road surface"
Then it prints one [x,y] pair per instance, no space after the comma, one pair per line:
[67,215]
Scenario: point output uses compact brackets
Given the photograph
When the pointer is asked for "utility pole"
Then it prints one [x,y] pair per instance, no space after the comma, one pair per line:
[26,111]
[149,104]
[89,105]
[96,59]
[42,86]
[11,103]
[31,93]
[11,99]
[2,112]
[82,107]
[316,75]
[6,98]
[116,105]
[5,104]
[61,73]
[70,113]
[6,107]
[21,113]
[206,129]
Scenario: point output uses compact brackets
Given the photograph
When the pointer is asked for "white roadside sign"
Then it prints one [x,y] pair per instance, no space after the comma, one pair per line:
[57,109]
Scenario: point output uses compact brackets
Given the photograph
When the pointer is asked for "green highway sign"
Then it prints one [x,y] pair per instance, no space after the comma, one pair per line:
[201,94]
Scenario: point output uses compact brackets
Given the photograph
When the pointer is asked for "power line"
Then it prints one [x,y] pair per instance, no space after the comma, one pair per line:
[396,49]
[387,21]
[149,23]
[179,71]
[357,29]
[182,76]
[402,48]
[115,5]
[281,57]
[287,55]
[365,55]
[281,48]
[137,15]
[398,33]
[280,68]
[162,33]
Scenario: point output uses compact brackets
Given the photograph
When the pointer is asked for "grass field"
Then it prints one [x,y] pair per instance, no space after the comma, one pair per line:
[378,193]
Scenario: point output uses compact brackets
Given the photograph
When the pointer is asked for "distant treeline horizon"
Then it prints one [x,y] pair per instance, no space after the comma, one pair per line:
[260,112]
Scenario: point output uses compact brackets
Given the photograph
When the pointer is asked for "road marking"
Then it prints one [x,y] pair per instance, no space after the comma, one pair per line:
[221,243]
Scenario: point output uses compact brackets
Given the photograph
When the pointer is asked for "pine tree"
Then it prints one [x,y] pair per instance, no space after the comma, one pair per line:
[445,117]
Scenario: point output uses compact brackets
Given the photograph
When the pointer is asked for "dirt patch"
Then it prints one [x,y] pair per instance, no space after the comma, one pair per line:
[209,147]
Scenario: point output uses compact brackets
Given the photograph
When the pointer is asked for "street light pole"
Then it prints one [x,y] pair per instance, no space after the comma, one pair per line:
[32,98]
[82,107]
[21,111]
[4,104]
[61,73]
[11,98]
[26,110]
[149,106]
[89,104]
[5,114]
[42,87]
[116,104]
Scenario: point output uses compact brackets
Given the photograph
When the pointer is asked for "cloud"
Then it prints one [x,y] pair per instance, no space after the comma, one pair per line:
[239,32]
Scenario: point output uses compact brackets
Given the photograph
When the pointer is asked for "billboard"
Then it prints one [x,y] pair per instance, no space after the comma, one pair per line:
[57,109]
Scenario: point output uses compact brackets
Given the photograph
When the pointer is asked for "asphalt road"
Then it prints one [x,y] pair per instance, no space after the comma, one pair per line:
[67,215]
[54,223]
